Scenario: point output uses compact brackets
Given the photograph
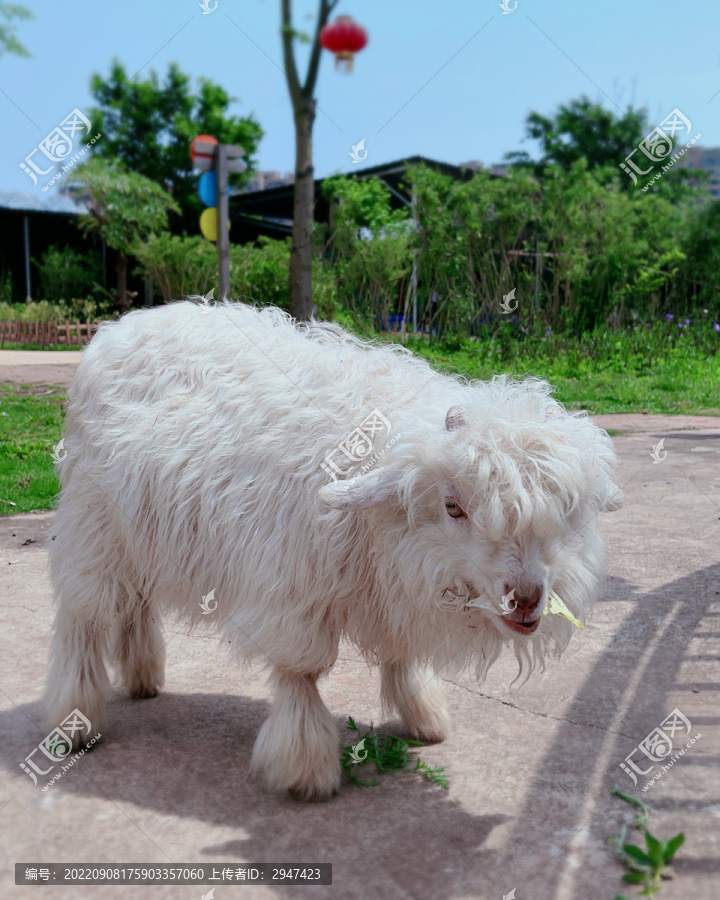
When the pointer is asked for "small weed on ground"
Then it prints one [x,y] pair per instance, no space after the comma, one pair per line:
[647,866]
[389,754]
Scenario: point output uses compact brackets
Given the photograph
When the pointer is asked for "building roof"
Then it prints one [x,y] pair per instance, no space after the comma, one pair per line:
[26,202]
[253,213]
[276,204]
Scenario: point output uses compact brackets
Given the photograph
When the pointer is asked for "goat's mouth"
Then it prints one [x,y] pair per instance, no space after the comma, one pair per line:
[523,622]
[521,627]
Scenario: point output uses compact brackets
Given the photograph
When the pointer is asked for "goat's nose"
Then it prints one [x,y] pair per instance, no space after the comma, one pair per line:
[526,597]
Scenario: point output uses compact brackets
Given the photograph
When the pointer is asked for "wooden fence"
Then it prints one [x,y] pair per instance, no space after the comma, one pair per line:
[47,333]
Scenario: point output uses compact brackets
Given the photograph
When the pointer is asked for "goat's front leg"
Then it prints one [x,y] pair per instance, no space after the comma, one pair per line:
[417,695]
[298,747]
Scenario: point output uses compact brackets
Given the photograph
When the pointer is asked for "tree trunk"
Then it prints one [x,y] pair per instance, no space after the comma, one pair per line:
[301,96]
[121,276]
[303,216]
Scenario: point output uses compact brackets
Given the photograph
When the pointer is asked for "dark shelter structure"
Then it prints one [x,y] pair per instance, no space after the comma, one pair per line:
[273,208]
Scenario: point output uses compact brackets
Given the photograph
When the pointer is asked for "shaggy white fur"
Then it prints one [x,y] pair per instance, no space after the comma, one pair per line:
[195,441]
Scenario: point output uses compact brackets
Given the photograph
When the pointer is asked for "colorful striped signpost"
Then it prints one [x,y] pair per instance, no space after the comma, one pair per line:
[216,160]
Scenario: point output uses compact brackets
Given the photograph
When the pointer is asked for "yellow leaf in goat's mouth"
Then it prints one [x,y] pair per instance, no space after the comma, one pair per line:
[556,607]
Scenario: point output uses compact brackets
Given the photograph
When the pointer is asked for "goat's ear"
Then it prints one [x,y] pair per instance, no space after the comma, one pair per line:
[359,493]
[614,500]
[455,418]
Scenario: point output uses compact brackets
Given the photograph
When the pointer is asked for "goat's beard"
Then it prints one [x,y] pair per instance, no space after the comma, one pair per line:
[487,639]
[549,641]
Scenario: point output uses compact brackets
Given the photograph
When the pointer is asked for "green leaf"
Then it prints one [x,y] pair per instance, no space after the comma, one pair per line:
[302,36]
[351,724]
[672,846]
[436,775]
[635,877]
[637,854]
[656,849]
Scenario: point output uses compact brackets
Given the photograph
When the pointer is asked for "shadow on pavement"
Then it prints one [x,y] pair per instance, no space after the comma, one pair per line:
[187,757]
[633,686]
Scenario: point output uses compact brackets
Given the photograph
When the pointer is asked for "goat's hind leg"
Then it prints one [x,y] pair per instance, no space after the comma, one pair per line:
[77,678]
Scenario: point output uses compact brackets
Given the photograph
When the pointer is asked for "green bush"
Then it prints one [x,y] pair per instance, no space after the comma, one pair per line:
[43,311]
[101,307]
[179,266]
[260,274]
[574,251]
[187,266]
[34,311]
[66,274]
[368,249]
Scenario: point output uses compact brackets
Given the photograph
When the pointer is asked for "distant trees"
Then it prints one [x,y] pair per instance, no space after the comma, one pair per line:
[582,130]
[581,247]
[8,42]
[148,125]
[124,208]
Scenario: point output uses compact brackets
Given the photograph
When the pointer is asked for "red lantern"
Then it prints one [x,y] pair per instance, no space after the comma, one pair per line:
[344,38]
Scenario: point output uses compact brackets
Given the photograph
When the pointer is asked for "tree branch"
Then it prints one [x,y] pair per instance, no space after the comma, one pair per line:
[326,7]
[291,72]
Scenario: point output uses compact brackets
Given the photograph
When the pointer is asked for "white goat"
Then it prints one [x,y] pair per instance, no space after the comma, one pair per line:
[199,444]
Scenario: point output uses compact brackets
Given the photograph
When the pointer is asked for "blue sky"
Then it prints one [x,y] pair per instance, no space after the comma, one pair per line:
[450,80]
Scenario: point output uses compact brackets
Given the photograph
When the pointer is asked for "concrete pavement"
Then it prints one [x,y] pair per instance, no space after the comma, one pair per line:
[39,366]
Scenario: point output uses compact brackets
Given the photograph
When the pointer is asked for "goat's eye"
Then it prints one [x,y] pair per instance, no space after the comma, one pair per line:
[454,510]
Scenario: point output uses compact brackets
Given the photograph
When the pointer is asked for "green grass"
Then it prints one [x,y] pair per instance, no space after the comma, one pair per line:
[30,426]
[61,347]
[652,369]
